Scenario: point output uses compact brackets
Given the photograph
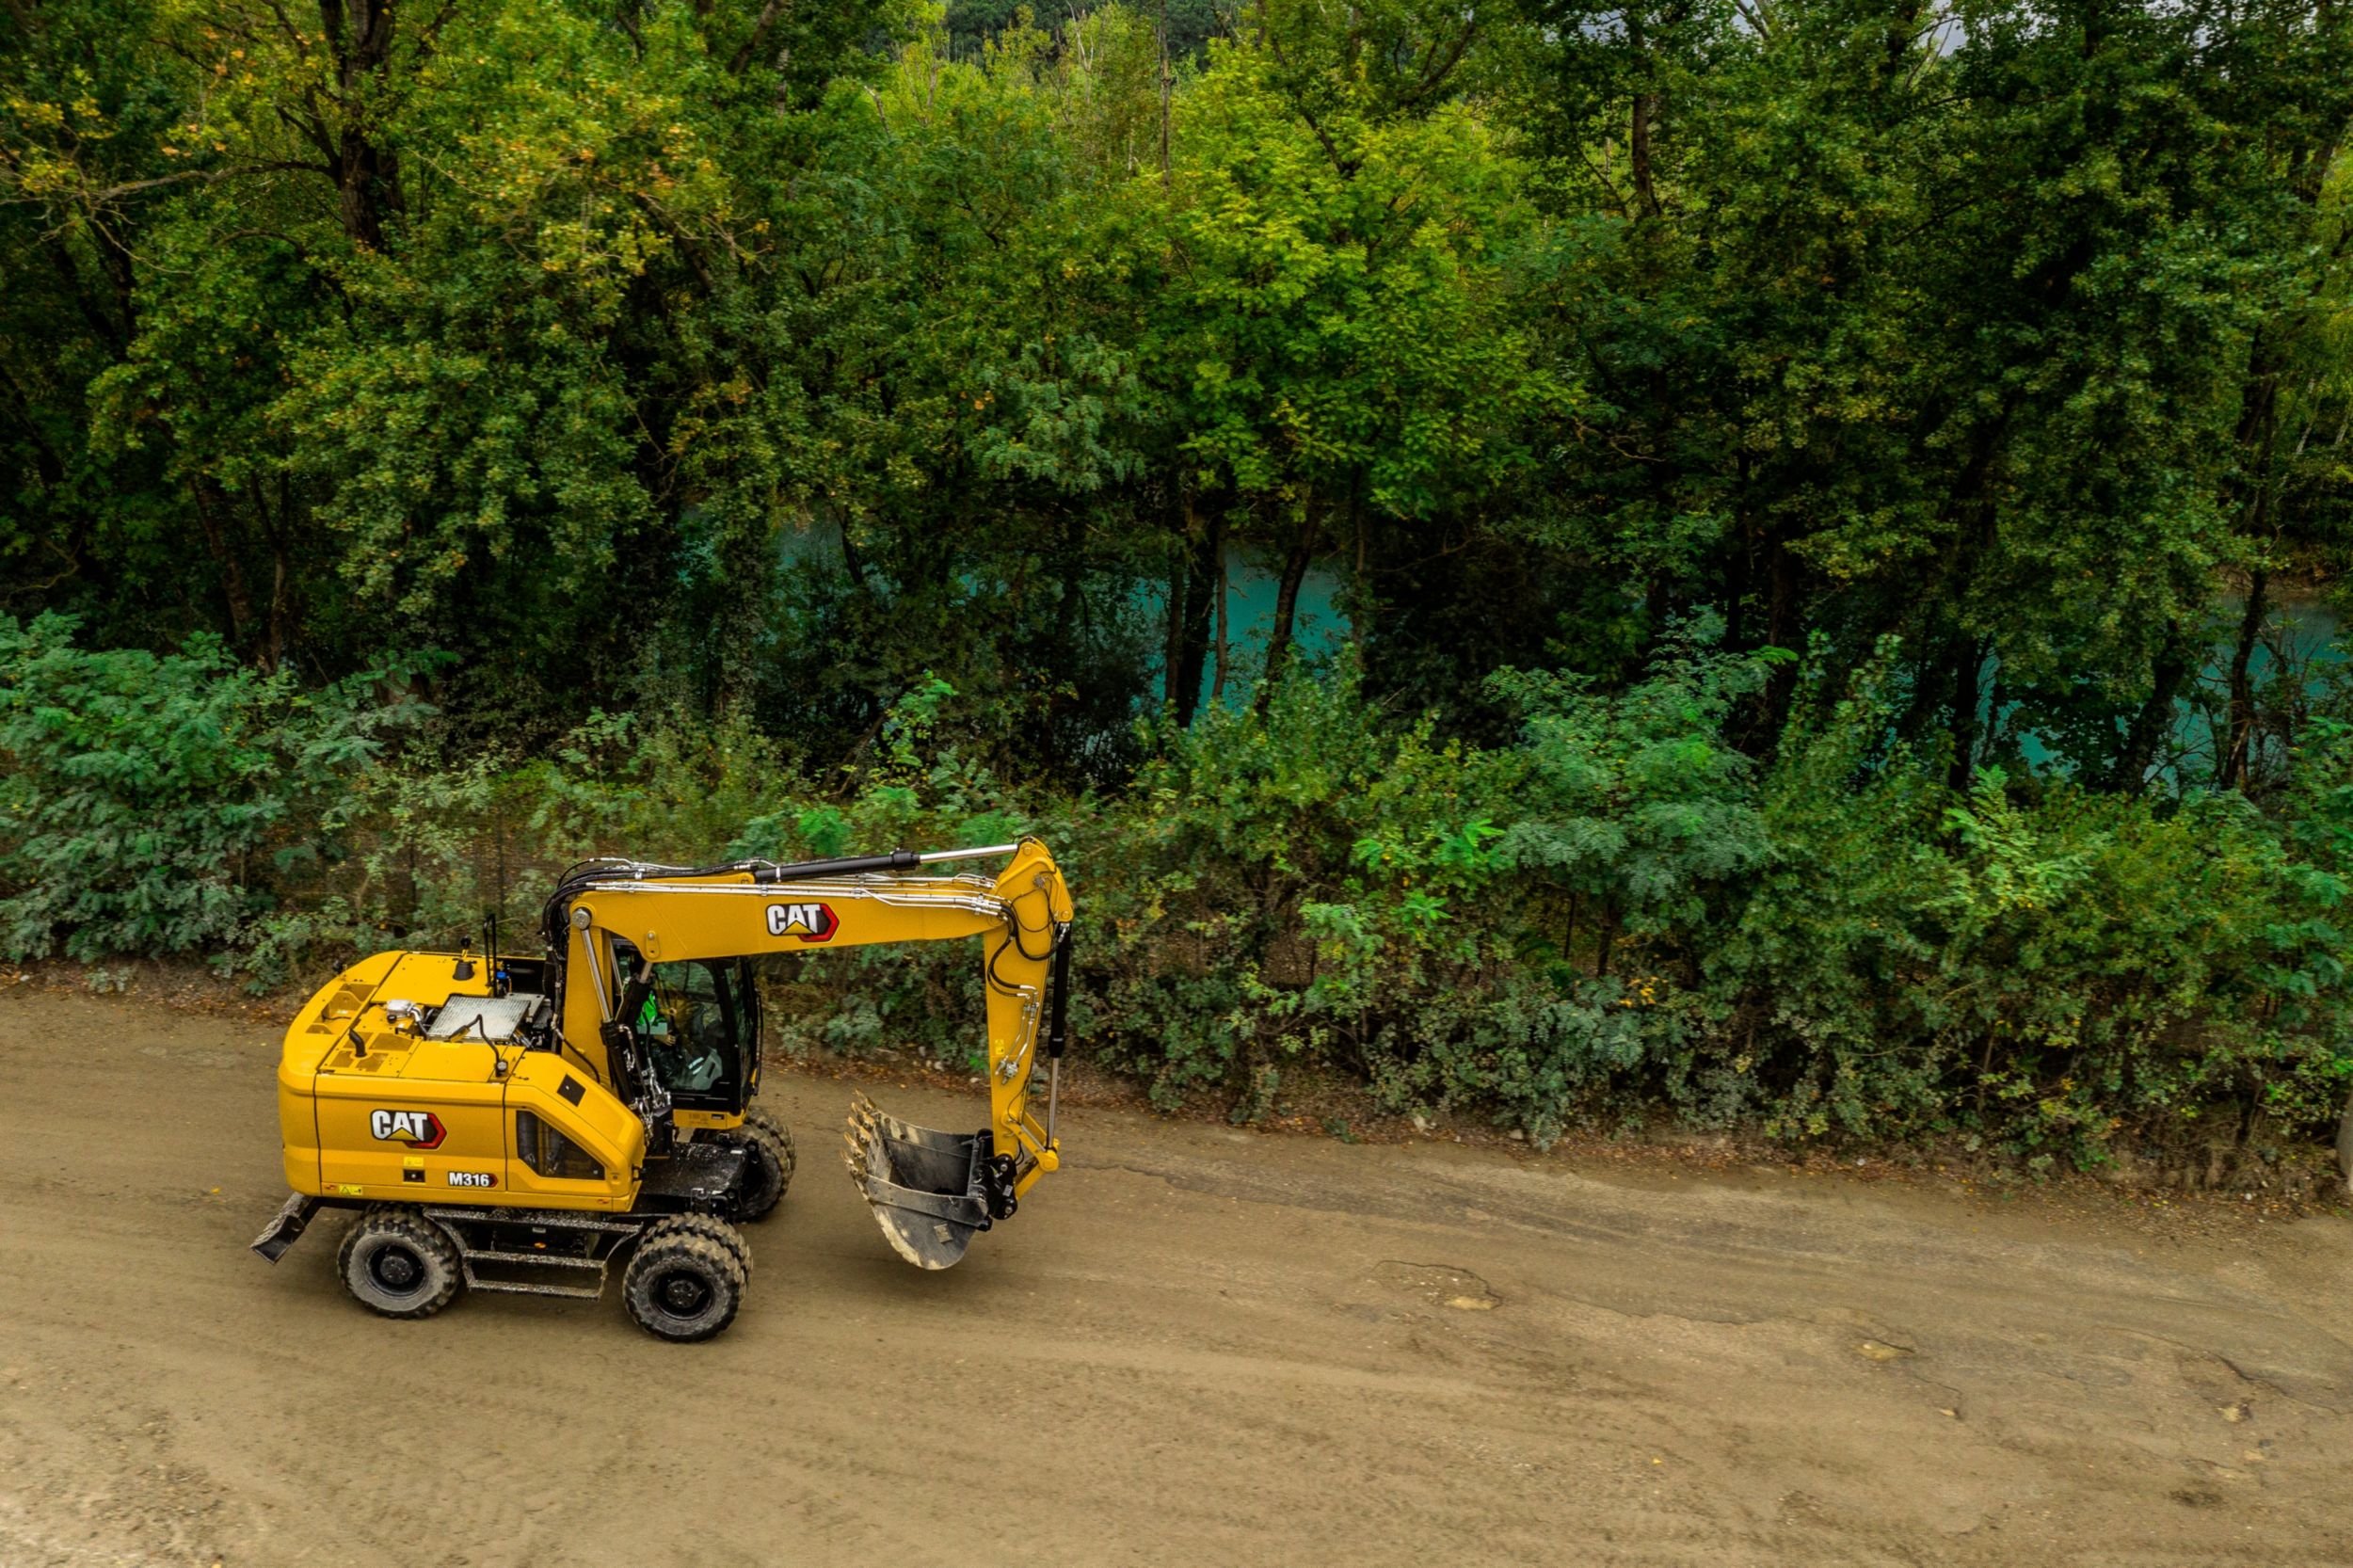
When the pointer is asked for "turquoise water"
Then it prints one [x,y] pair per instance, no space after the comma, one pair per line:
[1318,626]
[2302,633]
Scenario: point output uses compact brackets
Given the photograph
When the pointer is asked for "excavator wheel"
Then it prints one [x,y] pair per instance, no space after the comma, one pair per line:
[397,1262]
[768,1171]
[719,1231]
[682,1282]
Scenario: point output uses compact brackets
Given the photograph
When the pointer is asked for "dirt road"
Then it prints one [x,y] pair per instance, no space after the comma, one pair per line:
[1196,1345]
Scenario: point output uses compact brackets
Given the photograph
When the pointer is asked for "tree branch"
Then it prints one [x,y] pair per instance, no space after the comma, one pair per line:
[1441,70]
[759,35]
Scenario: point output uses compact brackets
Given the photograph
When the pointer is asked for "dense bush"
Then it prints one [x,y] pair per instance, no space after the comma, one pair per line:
[1615,916]
[2029,960]
[150,803]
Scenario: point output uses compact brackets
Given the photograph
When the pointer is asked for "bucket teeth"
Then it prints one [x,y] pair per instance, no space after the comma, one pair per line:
[862,1143]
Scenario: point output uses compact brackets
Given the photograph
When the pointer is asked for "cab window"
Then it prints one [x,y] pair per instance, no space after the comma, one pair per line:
[700,1025]
[688,1024]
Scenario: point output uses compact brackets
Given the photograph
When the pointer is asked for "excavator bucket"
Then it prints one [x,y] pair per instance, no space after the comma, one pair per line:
[931,1191]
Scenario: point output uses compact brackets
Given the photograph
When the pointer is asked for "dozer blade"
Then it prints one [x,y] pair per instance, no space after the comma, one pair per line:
[928,1189]
[282,1232]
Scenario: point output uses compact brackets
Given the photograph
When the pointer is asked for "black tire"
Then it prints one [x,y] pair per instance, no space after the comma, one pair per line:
[682,1284]
[719,1231]
[397,1262]
[767,1169]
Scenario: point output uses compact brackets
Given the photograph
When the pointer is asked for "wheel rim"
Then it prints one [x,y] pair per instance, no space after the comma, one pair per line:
[397,1268]
[681,1293]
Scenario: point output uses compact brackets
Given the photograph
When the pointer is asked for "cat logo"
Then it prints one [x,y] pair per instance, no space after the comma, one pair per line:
[810,922]
[419,1130]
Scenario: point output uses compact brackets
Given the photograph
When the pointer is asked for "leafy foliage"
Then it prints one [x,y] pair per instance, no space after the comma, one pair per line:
[147,800]
[807,428]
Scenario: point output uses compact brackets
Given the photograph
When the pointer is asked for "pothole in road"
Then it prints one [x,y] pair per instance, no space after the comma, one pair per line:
[1441,1284]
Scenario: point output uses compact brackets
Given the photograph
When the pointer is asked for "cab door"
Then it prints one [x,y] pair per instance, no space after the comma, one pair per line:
[697,1033]
[748,1025]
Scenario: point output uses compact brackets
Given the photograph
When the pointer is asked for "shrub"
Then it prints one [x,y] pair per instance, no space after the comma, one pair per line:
[2030,962]
[1613,917]
[146,802]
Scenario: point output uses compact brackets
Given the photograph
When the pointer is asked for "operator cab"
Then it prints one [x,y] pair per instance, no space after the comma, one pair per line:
[701,1028]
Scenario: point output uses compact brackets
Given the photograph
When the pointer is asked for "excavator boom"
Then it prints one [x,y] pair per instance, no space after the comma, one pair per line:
[930,1191]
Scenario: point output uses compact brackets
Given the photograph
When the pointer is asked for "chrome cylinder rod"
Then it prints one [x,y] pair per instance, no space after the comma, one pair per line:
[934,856]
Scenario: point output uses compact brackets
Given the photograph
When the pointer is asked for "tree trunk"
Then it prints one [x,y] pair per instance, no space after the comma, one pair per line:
[274,651]
[1899,42]
[1638,153]
[359,35]
[1168,80]
[211,505]
[1740,563]
[1968,697]
[367,182]
[1657,608]
[1173,638]
[1781,630]
[2242,736]
[1217,685]
[1278,648]
[1204,576]
[49,463]
[2137,754]
[283,616]
[2258,429]
[1360,609]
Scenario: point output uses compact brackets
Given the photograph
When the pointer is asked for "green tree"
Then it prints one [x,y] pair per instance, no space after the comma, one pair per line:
[1339,297]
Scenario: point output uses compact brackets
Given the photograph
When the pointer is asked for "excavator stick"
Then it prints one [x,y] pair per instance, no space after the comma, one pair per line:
[931,1191]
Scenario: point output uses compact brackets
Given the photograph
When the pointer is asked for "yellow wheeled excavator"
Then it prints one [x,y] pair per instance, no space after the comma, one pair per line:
[512,1123]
